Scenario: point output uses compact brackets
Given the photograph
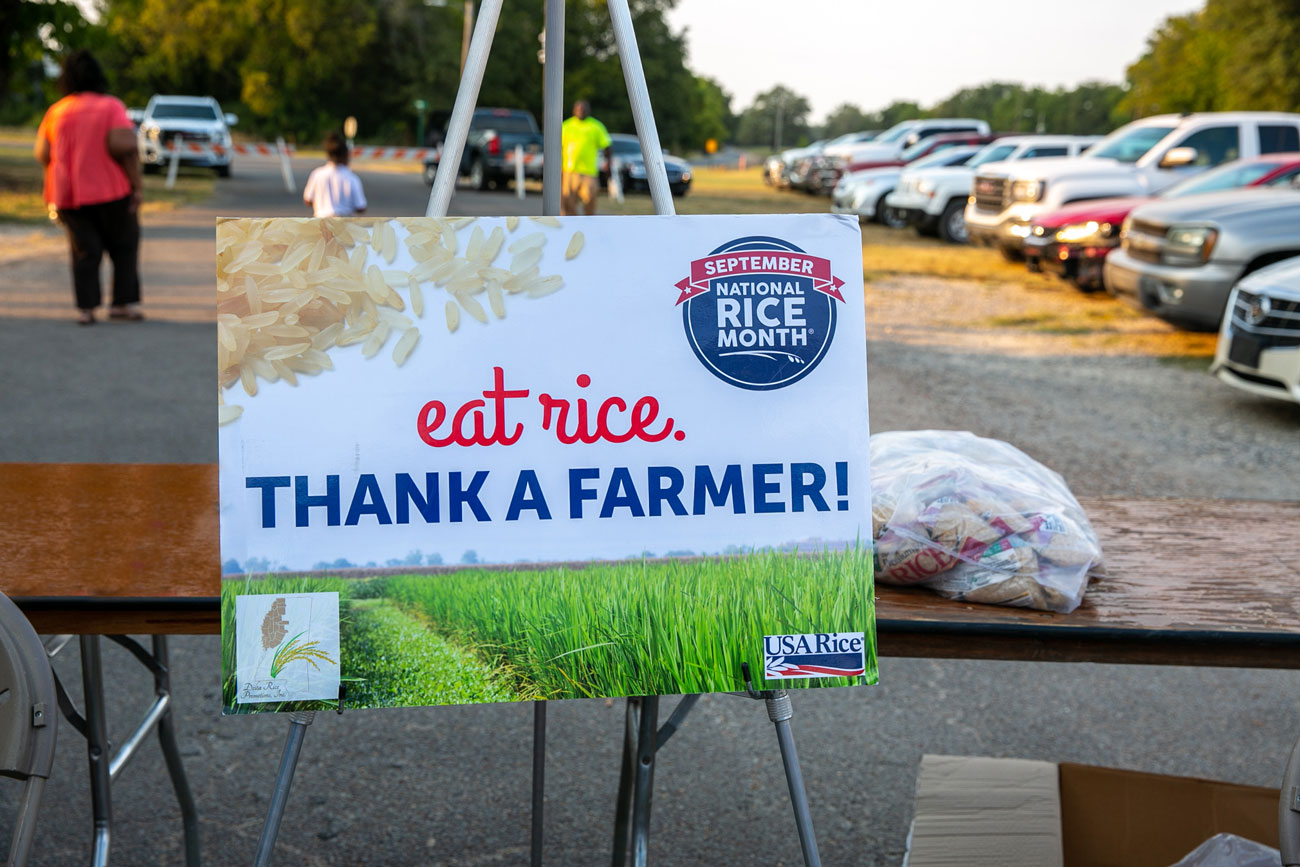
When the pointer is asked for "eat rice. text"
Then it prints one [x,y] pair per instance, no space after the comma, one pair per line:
[491,420]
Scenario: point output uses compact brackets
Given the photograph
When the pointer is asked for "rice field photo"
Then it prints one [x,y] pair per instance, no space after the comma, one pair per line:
[600,629]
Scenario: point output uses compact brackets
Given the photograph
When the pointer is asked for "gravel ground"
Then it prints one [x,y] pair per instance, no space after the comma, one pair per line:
[450,786]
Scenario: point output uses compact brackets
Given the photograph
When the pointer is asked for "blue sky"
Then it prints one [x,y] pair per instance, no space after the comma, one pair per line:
[870,52]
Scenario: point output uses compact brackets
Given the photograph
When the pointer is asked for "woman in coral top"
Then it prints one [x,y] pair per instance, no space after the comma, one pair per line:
[92,177]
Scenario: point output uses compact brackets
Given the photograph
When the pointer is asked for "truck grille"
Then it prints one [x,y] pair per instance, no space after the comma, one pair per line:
[1145,241]
[991,193]
[1275,321]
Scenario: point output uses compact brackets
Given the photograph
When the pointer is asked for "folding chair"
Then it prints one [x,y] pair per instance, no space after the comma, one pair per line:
[28,720]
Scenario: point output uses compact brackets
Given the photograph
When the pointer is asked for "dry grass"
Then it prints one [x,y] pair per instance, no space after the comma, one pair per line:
[21,180]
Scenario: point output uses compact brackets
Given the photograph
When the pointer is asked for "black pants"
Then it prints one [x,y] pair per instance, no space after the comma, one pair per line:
[97,229]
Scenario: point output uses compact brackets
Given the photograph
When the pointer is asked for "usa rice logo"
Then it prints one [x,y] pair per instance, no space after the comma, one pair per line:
[818,654]
[760,312]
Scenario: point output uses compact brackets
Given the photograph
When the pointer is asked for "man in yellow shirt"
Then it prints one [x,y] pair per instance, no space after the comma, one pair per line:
[581,138]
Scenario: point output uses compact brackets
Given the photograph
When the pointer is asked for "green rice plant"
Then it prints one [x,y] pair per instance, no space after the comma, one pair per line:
[653,627]
[292,651]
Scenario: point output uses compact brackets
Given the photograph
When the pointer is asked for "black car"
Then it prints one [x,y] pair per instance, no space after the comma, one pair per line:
[632,171]
[488,158]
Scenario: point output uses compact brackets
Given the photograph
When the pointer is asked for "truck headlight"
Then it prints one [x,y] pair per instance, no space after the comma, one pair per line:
[1089,232]
[925,188]
[1189,245]
[152,132]
[686,176]
[1027,191]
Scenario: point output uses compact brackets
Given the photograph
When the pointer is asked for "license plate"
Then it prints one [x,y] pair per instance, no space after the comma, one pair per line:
[1244,350]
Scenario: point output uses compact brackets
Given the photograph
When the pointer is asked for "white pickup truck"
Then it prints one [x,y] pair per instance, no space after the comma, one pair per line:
[933,200]
[1138,159]
[891,143]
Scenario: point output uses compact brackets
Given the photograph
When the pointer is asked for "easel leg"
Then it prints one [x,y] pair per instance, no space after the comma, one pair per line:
[172,755]
[97,748]
[539,781]
[298,723]
[645,777]
[779,711]
[626,776]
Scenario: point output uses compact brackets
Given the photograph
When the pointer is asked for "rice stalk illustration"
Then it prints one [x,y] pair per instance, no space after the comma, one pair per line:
[292,651]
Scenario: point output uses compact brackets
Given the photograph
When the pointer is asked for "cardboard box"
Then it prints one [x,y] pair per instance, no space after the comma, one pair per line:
[972,812]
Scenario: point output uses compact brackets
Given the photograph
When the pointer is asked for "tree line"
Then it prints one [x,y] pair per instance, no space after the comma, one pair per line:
[298,67]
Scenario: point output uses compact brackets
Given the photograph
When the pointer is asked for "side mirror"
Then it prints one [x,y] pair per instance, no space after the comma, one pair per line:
[231,119]
[1176,158]
[911,140]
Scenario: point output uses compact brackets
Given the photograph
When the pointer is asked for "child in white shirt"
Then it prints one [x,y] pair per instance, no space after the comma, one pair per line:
[334,190]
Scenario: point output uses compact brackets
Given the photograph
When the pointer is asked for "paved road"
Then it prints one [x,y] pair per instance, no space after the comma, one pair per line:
[450,786]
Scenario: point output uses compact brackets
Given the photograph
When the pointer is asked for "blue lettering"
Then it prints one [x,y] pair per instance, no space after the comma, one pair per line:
[528,495]
[763,488]
[426,503]
[731,488]
[801,488]
[304,501]
[367,500]
[659,494]
[458,497]
[578,492]
[268,484]
[621,494]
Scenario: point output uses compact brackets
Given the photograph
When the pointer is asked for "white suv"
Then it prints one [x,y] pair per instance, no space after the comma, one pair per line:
[196,120]
[1138,159]
[933,200]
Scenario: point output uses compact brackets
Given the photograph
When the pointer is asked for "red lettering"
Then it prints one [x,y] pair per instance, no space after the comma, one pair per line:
[644,413]
[472,411]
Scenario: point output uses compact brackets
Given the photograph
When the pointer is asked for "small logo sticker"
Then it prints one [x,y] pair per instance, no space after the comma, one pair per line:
[286,647]
[759,312]
[817,654]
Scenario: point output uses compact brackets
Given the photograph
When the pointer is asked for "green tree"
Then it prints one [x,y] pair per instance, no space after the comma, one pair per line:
[35,34]
[1257,51]
[846,118]
[1180,71]
[777,118]
[710,114]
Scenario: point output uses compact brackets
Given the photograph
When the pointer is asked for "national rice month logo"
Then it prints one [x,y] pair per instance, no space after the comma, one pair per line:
[759,312]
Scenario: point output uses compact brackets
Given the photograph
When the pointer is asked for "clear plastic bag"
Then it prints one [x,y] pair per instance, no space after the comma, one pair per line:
[1229,850]
[978,519]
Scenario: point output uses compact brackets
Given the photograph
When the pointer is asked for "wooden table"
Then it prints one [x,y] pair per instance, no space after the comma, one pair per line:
[132,548]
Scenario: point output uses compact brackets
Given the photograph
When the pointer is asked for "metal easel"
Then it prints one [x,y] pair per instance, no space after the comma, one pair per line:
[642,738]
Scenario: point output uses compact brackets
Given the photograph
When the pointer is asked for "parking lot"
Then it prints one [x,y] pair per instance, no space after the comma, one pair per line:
[1118,404]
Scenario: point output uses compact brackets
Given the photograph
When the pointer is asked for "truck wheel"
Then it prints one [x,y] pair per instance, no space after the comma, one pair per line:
[889,217]
[430,171]
[1011,254]
[952,225]
[222,171]
[478,174]
[150,168]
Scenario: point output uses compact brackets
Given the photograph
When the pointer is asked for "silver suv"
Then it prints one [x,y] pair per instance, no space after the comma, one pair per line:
[1179,258]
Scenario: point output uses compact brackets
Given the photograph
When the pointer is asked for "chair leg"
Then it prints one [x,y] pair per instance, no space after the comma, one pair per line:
[172,756]
[97,748]
[25,829]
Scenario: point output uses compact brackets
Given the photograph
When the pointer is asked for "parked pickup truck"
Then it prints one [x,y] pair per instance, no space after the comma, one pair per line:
[891,143]
[832,170]
[194,120]
[1180,258]
[1075,241]
[489,157]
[1139,159]
[933,200]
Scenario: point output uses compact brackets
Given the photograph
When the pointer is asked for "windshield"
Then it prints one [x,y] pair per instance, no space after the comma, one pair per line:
[945,157]
[625,147]
[991,154]
[895,132]
[514,123]
[184,111]
[1129,145]
[1225,177]
[911,153]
